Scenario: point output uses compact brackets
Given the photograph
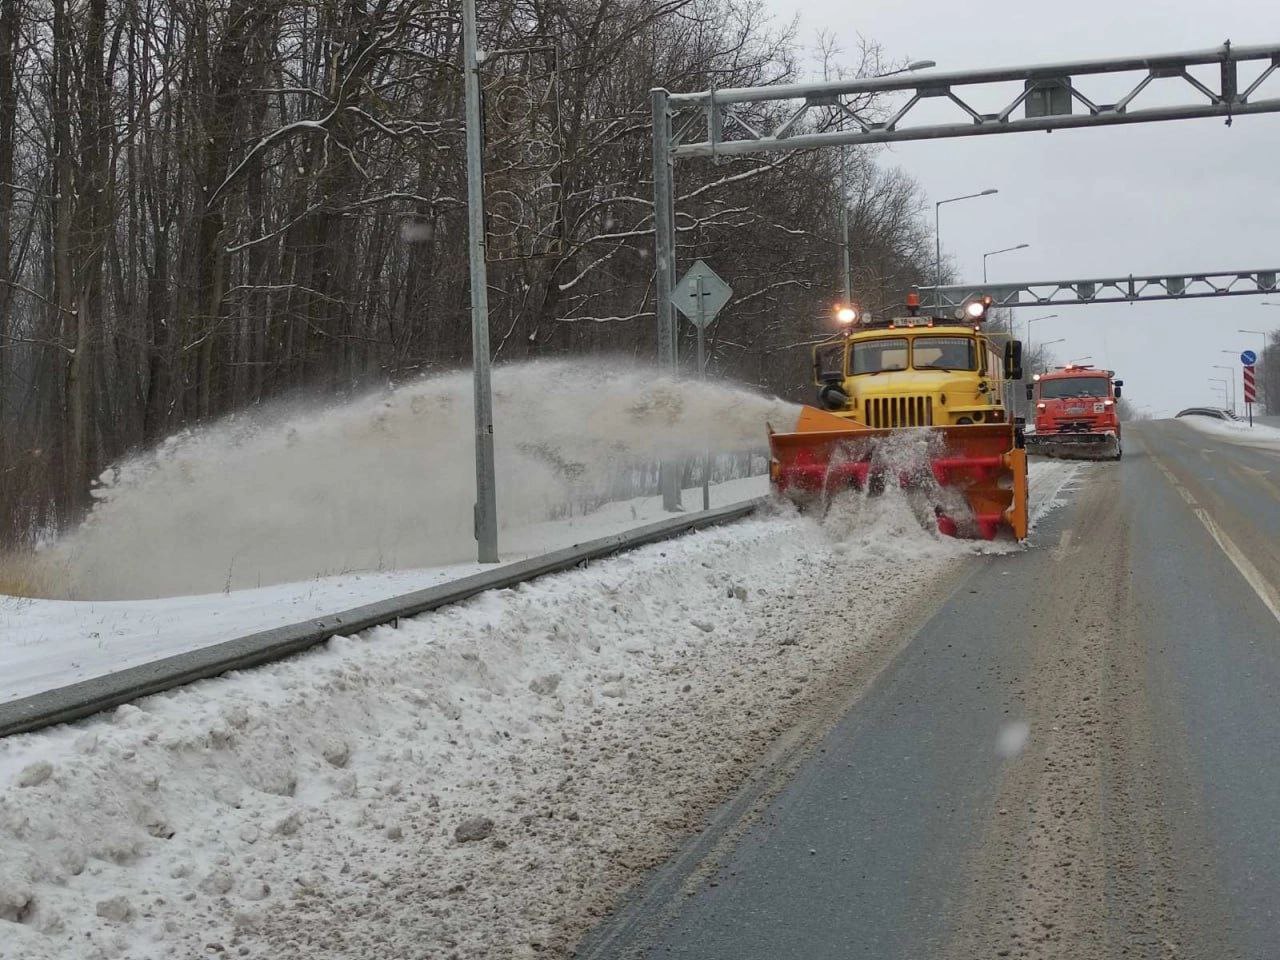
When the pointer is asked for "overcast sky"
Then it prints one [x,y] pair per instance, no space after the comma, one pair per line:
[1171,197]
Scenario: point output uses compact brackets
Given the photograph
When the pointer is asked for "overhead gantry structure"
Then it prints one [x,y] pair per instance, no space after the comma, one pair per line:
[1226,81]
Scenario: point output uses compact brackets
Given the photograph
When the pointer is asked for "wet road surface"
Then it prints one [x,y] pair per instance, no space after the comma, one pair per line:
[1076,756]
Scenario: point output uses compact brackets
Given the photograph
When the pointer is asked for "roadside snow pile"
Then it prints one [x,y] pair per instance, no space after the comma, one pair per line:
[1237,431]
[387,481]
[45,644]
[479,783]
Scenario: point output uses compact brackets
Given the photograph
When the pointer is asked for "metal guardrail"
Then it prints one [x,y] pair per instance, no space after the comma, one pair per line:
[88,697]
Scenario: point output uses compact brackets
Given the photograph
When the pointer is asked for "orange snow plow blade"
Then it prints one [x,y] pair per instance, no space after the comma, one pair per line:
[982,462]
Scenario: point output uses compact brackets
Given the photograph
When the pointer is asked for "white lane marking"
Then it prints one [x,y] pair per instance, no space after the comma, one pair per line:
[1247,570]
[1266,593]
[1260,477]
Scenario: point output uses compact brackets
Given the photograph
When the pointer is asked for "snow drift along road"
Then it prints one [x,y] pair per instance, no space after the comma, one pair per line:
[574,727]
[386,481]
[1237,431]
[480,782]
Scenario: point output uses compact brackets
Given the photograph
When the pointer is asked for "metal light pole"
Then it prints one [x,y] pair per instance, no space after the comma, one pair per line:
[1047,316]
[486,507]
[664,276]
[1231,379]
[845,271]
[937,234]
[1262,333]
[1050,343]
[1021,246]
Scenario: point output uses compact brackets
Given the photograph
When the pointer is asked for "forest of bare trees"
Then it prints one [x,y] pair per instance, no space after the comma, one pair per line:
[205,204]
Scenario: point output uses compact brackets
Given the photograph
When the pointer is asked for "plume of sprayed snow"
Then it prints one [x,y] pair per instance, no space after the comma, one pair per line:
[387,481]
[896,517]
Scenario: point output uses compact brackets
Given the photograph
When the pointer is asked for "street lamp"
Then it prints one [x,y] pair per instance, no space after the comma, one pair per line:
[913,65]
[1231,379]
[1262,333]
[1047,316]
[1079,360]
[937,236]
[1021,246]
[486,504]
[1050,343]
[845,274]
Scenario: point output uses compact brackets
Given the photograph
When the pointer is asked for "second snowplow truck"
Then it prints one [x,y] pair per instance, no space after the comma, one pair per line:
[917,400]
[1077,413]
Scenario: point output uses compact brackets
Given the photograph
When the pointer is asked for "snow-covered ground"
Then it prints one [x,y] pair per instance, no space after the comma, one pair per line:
[50,643]
[480,782]
[1237,431]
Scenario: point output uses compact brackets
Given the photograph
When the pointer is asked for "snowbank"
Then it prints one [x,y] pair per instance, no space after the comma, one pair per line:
[480,782]
[1237,431]
[46,644]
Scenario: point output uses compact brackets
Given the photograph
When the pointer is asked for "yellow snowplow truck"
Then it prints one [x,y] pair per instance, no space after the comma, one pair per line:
[939,384]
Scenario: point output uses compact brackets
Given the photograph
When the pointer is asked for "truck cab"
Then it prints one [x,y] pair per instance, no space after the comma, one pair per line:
[917,371]
[1076,413]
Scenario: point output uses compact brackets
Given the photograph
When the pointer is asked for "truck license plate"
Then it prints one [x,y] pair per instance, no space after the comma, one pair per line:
[1075,409]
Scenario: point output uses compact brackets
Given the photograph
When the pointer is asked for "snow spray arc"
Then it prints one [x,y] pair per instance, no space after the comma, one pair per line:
[385,481]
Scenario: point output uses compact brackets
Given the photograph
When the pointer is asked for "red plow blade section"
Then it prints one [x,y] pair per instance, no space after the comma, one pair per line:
[826,454]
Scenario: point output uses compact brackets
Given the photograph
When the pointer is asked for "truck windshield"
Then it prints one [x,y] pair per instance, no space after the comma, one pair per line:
[1075,387]
[945,353]
[879,356]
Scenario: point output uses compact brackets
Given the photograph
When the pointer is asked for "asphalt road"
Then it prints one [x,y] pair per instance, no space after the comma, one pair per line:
[1078,754]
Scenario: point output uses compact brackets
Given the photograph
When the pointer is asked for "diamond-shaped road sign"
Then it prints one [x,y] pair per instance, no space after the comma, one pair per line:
[715,293]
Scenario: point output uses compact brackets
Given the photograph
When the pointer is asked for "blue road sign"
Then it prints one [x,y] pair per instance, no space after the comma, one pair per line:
[1248,358]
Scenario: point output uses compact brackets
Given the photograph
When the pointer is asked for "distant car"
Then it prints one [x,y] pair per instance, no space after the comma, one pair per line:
[1208,412]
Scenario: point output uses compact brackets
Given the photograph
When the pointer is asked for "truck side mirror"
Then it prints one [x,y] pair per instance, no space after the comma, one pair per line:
[1118,383]
[1031,391]
[1013,359]
[1119,389]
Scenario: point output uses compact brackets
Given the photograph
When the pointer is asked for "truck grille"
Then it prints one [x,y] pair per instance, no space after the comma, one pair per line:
[1070,426]
[887,412]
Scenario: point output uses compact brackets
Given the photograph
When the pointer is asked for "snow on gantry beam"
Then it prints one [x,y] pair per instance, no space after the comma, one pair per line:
[1130,289]
[1048,100]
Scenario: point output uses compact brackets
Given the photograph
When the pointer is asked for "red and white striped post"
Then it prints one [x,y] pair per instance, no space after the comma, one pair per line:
[1250,389]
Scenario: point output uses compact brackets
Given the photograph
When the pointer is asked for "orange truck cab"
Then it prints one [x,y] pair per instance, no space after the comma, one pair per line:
[1076,413]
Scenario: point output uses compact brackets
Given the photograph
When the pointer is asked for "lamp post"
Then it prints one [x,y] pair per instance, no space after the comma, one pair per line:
[1231,379]
[1262,333]
[937,236]
[845,272]
[1021,246]
[486,507]
[1047,316]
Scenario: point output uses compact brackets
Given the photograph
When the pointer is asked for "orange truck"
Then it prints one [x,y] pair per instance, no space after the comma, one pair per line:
[1077,414]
